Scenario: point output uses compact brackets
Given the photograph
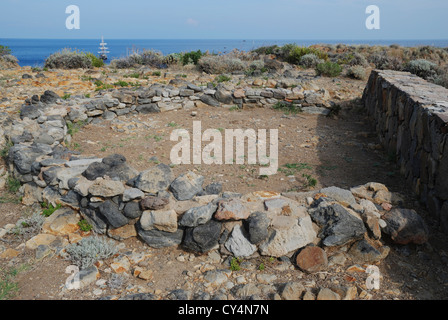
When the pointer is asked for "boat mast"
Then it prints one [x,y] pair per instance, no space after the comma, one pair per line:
[103,49]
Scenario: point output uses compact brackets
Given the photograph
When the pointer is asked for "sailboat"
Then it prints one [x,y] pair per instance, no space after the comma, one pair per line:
[103,50]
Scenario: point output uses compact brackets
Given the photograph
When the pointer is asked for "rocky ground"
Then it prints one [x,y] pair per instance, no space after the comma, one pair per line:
[339,151]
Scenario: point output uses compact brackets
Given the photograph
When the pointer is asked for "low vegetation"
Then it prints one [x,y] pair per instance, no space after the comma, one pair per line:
[89,250]
[72,59]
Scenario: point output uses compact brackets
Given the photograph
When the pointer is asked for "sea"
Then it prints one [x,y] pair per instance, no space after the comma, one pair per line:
[33,52]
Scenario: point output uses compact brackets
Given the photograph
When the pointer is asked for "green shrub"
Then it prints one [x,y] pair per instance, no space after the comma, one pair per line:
[191,57]
[383,61]
[96,62]
[68,59]
[328,69]
[13,185]
[310,60]
[235,264]
[156,73]
[89,250]
[222,78]
[121,83]
[441,79]
[4,50]
[84,226]
[267,50]
[149,58]
[357,72]
[287,107]
[292,53]
[49,209]
[220,64]
[30,225]
[422,68]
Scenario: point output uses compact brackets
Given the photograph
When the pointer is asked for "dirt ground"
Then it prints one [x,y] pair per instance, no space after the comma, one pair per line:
[338,151]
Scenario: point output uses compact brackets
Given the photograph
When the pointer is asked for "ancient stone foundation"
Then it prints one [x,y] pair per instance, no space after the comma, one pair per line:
[411,118]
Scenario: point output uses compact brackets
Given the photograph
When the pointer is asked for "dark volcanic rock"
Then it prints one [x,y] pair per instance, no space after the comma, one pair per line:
[112,214]
[114,166]
[338,226]
[203,238]
[49,97]
[258,223]
[132,210]
[160,239]
[405,226]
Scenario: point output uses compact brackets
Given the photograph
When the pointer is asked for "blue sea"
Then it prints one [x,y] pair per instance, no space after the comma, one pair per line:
[33,52]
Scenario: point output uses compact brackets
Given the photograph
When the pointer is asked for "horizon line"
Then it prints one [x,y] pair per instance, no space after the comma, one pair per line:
[245,39]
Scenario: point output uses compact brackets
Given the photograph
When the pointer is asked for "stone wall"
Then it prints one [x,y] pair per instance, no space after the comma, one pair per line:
[164,210]
[411,119]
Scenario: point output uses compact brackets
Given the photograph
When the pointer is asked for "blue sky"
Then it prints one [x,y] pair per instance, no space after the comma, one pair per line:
[225,19]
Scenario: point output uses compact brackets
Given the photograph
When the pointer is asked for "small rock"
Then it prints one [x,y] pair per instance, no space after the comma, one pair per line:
[292,291]
[312,259]
[327,294]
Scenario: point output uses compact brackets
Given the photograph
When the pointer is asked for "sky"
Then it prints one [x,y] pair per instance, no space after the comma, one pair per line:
[225,19]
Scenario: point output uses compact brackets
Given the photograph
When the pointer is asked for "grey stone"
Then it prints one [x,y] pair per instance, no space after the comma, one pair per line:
[207,99]
[160,239]
[363,252]
[345,197]
[156,179]
[49,97]
[223,96]
[112,214]
[132,210]
[186,186]
[283,240]
[180,294]
[292,291]
[258,224]
[131,194]
[405,226]
[213,188]
[199,215]
[148,108]
[338,226]
[95,219]
[203,238]
[113,166]
[238,243]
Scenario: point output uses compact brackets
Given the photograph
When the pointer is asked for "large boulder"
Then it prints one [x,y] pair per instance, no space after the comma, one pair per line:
[287,237]
[405,226]
[338,225]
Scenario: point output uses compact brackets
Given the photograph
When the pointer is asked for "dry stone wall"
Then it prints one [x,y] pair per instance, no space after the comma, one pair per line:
[411,119]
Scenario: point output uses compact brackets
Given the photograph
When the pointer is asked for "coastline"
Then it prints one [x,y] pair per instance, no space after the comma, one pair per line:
[33,52]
